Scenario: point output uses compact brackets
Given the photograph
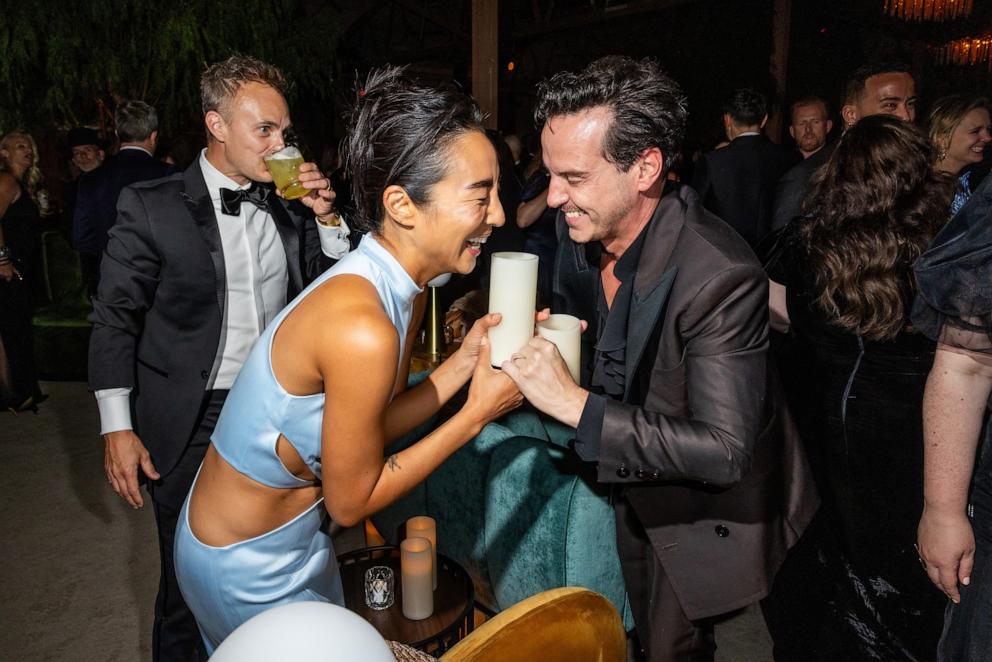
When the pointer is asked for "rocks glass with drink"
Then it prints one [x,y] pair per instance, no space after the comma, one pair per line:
[284,166]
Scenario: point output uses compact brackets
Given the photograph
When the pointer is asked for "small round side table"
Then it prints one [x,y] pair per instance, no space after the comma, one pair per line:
[454,601]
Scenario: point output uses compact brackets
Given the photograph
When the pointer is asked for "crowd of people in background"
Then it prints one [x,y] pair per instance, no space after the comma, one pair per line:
[873,231]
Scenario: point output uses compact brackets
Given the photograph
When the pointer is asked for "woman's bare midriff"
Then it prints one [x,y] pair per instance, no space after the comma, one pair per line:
[227,507]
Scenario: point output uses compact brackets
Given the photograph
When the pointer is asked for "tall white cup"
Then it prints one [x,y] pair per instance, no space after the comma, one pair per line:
[565,332]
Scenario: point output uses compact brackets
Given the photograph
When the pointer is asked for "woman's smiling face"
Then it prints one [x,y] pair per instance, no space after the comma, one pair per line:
[464,205]
[967,144]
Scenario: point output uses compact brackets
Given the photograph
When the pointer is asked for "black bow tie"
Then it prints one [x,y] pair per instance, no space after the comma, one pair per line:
[230,201]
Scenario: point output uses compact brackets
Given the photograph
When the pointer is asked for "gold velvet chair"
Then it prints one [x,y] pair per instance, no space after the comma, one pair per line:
[559,625]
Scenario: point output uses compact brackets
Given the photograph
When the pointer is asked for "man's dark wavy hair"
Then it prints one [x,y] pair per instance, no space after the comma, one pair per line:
[649,109]
[874,208]
[746,106]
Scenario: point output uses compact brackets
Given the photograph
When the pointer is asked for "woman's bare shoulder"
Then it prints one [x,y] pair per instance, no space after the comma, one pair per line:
[346,312]
[9,188]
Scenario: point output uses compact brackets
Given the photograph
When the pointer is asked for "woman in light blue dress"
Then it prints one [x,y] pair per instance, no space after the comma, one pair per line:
[322,393]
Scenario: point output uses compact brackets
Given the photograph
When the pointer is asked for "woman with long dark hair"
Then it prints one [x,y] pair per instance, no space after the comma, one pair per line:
[843,285]
[302,432]
[19,220]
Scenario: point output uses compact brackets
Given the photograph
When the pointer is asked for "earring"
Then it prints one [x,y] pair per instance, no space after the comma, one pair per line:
[941,155]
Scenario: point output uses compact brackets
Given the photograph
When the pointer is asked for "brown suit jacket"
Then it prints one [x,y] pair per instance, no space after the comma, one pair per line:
[701,443]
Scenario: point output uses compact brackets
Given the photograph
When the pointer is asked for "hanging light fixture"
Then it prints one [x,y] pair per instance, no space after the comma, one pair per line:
[967,51]
[929,10]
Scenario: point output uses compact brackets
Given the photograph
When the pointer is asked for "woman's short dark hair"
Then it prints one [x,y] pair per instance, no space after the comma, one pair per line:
[399,133]
[649,109]
[874,208]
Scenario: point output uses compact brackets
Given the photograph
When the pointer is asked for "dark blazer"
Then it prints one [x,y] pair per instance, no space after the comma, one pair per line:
[699,444]
[158,314]
[97,193]
[737,183]
[795,185]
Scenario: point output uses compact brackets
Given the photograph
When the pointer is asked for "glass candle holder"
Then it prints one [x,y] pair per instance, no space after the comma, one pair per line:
[379,587]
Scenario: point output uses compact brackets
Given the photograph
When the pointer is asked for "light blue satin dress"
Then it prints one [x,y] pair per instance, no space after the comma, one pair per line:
[225,586]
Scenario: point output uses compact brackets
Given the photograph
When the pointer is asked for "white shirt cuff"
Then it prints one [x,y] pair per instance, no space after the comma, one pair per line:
[115,409]
[334,240]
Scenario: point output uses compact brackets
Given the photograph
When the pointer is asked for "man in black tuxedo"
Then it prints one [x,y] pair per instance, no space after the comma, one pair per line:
[195,267]
[96,198]
[885,88]
[676,407]
[737,182]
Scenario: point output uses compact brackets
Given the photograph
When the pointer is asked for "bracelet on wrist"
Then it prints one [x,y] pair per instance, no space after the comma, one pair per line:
[4,252]
[331,220]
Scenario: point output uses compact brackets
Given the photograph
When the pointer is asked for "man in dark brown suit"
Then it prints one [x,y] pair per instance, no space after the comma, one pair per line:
[676,406]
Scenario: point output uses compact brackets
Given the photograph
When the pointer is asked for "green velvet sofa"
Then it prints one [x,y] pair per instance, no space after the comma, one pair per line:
[519,512]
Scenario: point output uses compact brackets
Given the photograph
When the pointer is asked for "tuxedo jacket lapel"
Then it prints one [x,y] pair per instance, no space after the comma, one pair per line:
[197,200]
[289,227]
[653,281]
[645,312]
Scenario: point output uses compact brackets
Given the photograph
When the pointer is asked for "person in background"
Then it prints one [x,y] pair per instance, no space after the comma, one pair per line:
[842,282]
[516,146]
[85,155]
[881,88]
[19,218]
[960,129]
[810,124]
[136,125]
[84,145]
[737,182]
[537,220]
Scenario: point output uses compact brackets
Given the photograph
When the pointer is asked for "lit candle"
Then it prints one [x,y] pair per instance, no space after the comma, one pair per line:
[425,527]
[415,575]
[512,294]
[564,331]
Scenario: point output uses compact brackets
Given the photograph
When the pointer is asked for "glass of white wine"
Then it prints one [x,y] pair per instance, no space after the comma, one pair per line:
[284,166]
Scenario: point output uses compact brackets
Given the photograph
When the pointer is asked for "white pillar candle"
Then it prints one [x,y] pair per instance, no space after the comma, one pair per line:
[512,294]
[564,331]
[415,575]
[425,527]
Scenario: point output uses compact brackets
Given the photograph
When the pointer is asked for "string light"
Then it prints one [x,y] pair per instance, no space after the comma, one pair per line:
[929,10]
[967,51]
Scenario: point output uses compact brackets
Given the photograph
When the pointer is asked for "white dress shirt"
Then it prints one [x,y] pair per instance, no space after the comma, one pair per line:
[257,281]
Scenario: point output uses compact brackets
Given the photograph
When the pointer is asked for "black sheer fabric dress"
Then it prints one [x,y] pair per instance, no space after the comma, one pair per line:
[954,306]
[853,588]
[20,231]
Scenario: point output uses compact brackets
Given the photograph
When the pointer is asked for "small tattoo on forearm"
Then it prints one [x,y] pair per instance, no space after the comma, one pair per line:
[392,463]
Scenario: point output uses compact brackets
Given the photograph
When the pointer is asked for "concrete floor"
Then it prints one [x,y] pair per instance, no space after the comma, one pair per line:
[79,567]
